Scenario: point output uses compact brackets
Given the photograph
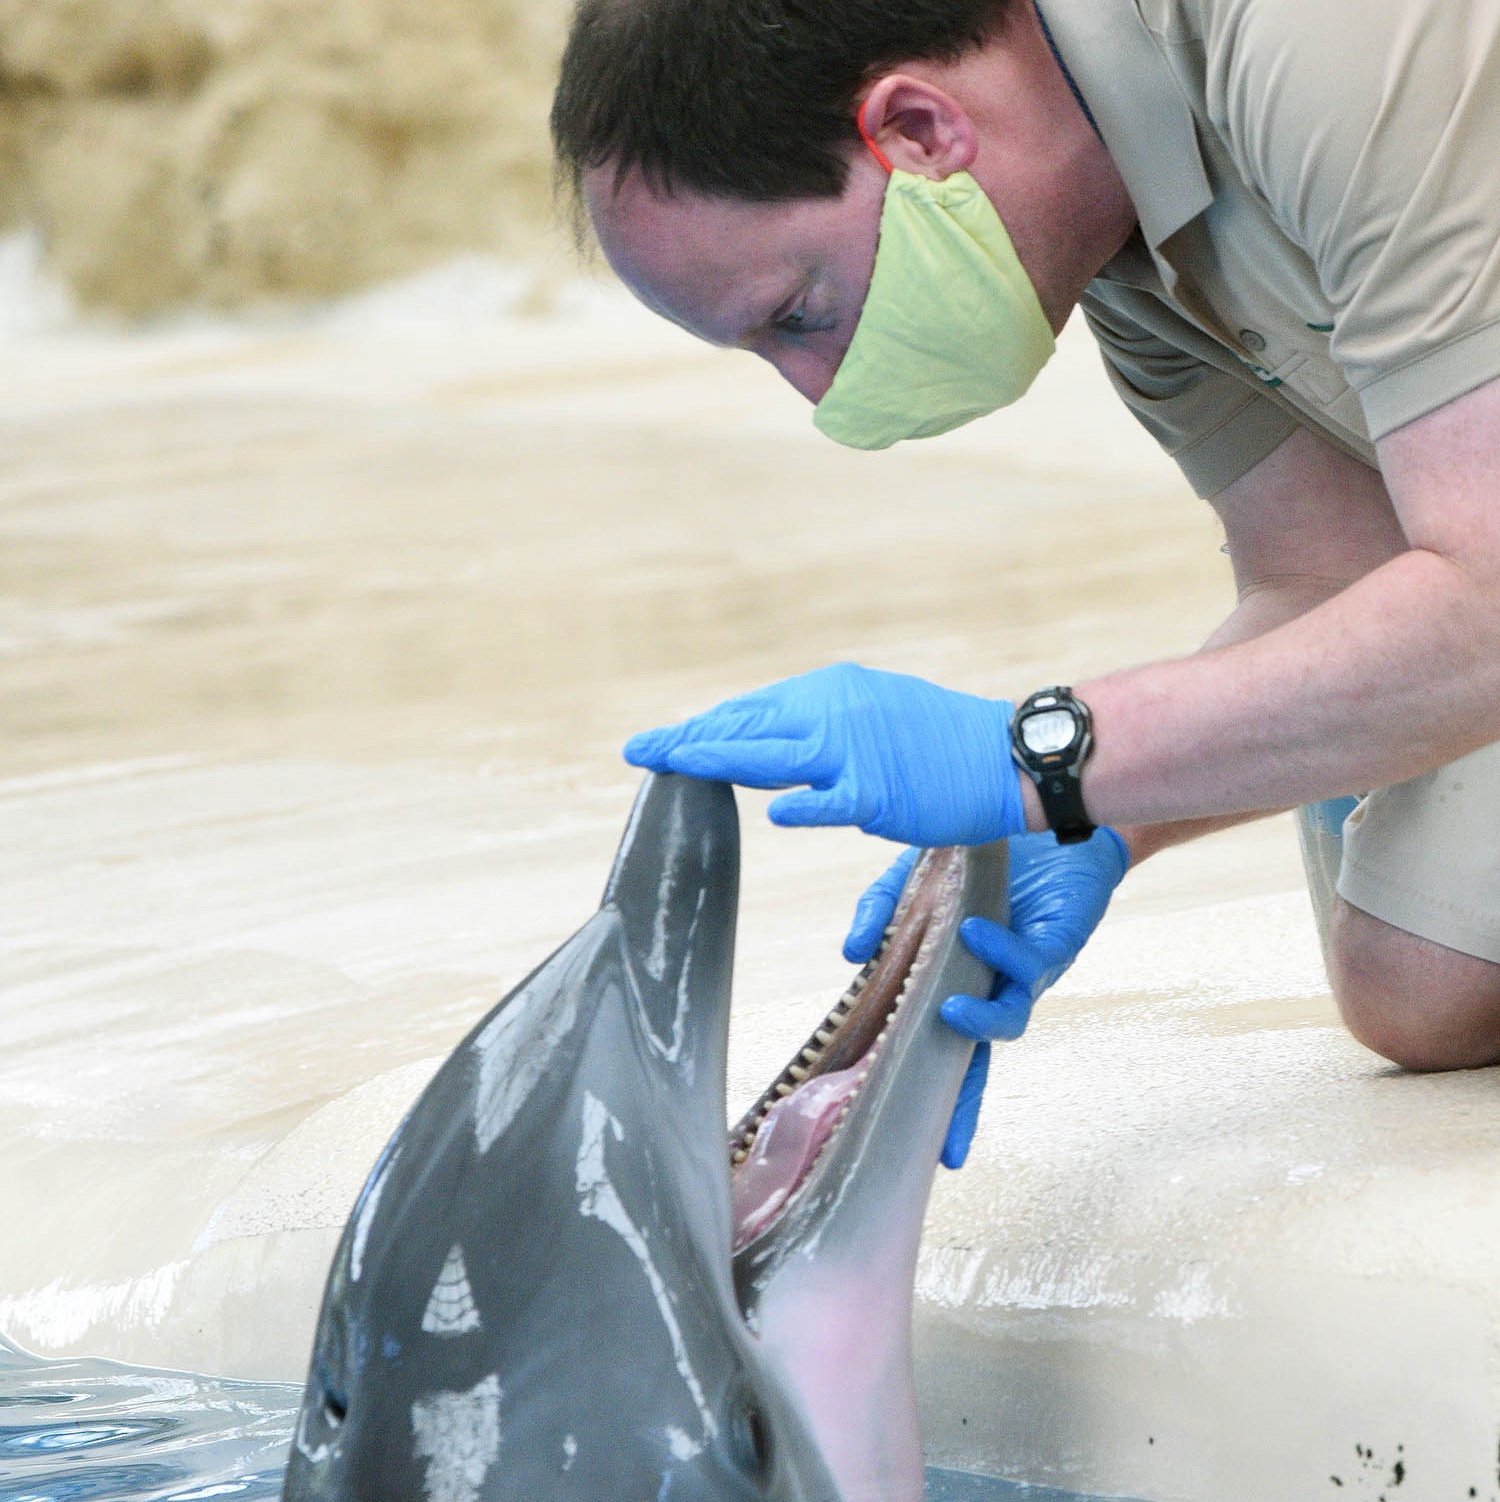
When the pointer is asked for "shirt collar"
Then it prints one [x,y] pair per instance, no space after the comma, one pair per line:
[1137,106]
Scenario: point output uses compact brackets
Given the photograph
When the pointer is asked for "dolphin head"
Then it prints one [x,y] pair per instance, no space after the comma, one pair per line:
[560,1281]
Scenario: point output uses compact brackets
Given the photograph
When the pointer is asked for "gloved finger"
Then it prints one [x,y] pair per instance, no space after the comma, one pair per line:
[754,716]
[965,1116]
[751,764]
[875,909]
[1005,951]
[1002,1020]
[811,806]
[650,748]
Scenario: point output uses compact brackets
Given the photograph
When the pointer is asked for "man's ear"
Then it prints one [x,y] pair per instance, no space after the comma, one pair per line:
[920,128]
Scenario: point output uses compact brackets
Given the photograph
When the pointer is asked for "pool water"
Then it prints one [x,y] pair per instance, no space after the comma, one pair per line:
[77,1429]
[962,1486]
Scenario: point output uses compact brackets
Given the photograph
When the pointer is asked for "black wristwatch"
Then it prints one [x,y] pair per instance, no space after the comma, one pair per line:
[1051,736]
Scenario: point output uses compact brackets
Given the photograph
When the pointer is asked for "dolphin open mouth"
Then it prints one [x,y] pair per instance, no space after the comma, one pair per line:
[532,1296]
[775,1146]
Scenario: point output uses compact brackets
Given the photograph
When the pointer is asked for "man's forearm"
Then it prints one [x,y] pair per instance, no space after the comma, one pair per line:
[1263,605]
[1392,675]
[1396,675]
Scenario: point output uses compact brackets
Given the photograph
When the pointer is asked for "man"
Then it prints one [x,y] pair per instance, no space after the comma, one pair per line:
[1280,219]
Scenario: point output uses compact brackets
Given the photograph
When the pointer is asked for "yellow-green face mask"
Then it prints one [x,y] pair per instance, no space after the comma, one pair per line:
[951,327]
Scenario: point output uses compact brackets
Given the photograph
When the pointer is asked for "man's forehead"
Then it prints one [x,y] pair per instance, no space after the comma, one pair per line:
[683,223]
[680,252]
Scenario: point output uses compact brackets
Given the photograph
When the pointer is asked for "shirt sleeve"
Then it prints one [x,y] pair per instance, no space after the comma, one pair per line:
[1372,129]
[1215,423]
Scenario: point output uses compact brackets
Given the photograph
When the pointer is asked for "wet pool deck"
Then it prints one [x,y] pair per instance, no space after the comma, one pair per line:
[316,649]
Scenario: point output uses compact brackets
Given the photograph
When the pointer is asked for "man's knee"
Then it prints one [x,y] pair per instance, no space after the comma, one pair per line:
[1414,1002]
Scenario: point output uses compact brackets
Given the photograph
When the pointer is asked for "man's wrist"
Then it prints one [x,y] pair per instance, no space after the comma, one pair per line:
[1031,804]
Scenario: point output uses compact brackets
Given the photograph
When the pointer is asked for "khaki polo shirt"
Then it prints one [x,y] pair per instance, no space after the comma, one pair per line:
[1318,191]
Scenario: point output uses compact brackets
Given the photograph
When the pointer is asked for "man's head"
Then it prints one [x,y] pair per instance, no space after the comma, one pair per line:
[713,145]
[742,99]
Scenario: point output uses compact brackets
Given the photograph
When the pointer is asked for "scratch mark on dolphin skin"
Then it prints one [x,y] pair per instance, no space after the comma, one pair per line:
[599,1200]
[458,1435]
[514,1050]
[451,1310]
[364,1214]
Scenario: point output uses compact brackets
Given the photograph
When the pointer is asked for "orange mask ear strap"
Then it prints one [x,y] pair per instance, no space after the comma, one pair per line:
[869,140]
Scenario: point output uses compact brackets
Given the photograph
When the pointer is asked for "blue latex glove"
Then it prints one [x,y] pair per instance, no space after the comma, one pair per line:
[1058,894]
[894,755]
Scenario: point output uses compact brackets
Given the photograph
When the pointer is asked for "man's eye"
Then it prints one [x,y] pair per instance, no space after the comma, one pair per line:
[799,320]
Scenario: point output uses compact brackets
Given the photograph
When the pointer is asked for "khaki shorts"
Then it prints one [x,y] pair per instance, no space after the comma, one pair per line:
[1424,855]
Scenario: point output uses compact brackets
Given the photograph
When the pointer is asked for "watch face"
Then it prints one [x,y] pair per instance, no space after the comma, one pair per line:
[1051,730]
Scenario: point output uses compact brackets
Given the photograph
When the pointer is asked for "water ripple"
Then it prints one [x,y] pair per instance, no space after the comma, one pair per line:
[76,1430]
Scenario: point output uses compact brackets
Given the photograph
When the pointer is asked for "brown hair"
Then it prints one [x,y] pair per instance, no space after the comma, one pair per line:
[748,99]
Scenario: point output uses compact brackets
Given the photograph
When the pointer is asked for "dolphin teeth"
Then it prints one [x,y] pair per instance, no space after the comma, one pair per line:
[813,1052]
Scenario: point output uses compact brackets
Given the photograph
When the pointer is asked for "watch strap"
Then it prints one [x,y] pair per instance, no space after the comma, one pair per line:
[1062,803]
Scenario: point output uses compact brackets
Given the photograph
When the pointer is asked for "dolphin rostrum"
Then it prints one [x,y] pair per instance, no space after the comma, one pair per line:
[557,1283]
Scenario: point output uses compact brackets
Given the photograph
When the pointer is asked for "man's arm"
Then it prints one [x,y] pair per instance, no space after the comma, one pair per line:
[1300,526]
[1391,676]
[1395,674]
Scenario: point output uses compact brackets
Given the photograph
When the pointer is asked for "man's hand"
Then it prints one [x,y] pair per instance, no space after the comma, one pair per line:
[1058,894]
[896,756]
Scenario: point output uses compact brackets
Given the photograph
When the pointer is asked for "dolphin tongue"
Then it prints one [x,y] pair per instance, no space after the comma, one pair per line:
[785,1146]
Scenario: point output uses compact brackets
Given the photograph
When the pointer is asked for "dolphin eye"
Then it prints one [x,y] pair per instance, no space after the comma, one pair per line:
[753,1439]
[760,1438]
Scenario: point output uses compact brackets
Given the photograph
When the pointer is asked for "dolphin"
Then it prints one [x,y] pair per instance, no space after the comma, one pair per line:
[561,1281]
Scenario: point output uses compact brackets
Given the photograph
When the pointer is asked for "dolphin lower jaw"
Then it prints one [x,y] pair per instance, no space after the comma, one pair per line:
[776,1146]
[825,1255]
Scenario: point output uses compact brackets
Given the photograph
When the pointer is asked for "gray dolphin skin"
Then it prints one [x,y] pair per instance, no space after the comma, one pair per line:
[561,1281]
